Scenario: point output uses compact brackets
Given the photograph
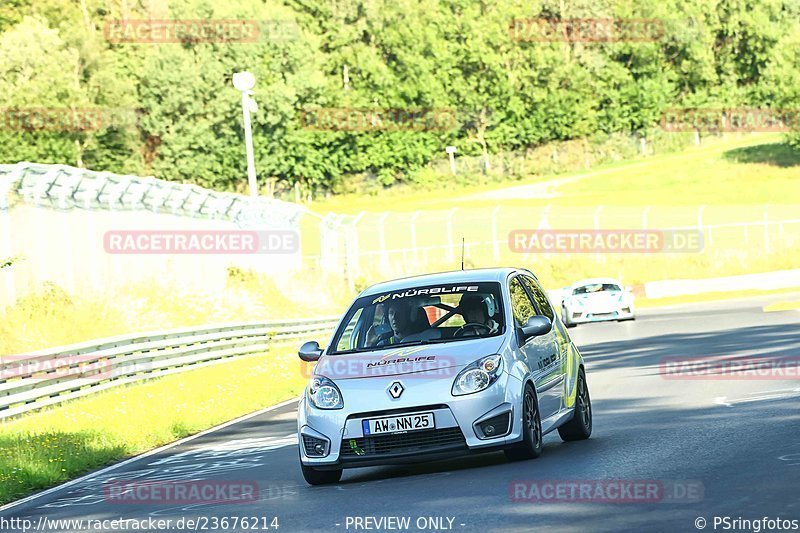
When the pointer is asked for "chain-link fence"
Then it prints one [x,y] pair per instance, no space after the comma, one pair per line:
[55,221]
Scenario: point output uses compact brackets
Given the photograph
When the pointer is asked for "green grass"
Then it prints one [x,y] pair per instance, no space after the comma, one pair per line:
[737,169]
[59,443]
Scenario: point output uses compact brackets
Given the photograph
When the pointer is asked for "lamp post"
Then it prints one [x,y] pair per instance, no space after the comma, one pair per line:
[244,82]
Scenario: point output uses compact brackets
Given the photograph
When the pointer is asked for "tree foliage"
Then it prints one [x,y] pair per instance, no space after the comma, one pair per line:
[457,55]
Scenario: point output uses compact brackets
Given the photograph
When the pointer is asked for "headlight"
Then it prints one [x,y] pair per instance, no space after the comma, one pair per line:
[478,375]
[324,394]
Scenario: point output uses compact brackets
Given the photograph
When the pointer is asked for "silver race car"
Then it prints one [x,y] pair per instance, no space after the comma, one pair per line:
[435,366]
[596,300]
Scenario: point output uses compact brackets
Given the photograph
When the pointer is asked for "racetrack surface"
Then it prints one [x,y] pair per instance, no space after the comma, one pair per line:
[739,440]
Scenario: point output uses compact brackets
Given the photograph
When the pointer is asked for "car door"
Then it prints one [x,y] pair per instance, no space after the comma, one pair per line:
[558,370]
[540,352]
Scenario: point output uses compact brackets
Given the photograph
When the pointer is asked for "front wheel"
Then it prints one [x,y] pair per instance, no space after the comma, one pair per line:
[580,426]
[320,477]
[531,445]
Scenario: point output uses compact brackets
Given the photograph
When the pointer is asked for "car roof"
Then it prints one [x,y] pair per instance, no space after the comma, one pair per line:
[455,276]
[592,281]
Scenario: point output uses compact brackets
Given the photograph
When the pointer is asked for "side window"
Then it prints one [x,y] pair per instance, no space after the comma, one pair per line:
[538,296]
[347,340]
[521,306]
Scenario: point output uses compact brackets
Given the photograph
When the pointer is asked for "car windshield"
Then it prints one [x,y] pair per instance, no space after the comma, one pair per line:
[421,315]
[596,287]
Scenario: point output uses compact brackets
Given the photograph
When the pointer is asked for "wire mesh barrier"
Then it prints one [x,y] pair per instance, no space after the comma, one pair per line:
[54,221]
[393,243]
[38,379]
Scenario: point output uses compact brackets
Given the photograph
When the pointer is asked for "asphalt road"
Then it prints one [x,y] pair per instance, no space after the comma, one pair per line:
[726,448]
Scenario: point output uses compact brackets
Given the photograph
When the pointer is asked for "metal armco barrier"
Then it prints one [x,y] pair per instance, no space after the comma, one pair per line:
[34,380]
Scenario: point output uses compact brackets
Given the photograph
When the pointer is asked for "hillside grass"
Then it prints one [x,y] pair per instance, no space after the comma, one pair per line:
[733,170]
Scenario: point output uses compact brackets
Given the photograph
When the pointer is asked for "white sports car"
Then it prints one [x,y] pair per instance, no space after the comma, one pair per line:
[597,300]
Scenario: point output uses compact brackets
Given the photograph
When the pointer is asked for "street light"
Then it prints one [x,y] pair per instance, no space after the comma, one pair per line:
[245,81]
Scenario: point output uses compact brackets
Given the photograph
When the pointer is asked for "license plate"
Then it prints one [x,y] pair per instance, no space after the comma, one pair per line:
[397,424]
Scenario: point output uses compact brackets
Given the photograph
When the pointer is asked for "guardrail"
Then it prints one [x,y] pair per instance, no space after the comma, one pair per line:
[34,380]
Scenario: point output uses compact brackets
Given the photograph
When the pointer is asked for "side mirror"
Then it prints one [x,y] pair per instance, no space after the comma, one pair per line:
[536,325]
[310,351]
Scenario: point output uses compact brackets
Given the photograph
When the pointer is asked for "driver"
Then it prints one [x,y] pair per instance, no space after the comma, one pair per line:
[399,315]
[477,309]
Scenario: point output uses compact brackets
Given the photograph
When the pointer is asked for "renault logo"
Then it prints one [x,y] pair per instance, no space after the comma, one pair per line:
[395,390]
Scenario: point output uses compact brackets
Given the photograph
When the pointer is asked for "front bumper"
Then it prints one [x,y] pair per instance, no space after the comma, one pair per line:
[583,316]
[457,421]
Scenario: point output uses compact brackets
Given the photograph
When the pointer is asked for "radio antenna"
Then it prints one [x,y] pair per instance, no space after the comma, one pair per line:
[462,253]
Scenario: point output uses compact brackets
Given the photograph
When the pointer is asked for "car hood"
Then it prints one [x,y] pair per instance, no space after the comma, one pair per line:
[443,358]
[598,298]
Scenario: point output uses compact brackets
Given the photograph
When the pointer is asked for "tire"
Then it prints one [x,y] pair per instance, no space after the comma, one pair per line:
[580,426]
[531,445]
[320,477]
[566,322]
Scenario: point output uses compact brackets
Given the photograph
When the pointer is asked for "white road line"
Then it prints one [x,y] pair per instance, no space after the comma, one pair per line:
[145,455]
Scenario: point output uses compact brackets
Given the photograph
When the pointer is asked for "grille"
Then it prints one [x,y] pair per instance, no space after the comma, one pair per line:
[414,441]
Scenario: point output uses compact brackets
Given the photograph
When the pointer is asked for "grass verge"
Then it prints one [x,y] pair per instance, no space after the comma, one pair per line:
[719,296]
[60,443]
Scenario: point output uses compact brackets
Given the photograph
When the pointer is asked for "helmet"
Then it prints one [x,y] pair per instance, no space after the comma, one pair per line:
[486,301]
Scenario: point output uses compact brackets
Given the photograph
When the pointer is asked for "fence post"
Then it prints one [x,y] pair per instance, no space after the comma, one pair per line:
[597,227]
[414,236]
[352,237]
[495,244]
[766,228]
[382,242]
[700,224]
[6,245]
[450,215]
